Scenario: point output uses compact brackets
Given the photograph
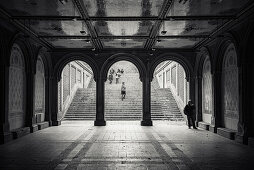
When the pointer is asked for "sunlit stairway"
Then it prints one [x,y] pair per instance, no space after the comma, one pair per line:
[83,106]
[169,108]
[163,105]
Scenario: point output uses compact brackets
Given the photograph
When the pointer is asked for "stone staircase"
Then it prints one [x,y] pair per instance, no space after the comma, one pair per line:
[169,108]
[83,106]
[163,105]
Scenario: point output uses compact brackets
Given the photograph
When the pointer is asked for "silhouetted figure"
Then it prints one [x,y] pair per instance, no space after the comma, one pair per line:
[117,77]
[112,71]
[189,112]
[123,91]
[110,78]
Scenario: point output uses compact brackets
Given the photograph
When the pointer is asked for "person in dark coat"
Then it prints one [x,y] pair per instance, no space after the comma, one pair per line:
[189,112]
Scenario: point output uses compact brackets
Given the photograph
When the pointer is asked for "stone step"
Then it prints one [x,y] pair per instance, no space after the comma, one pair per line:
[163,105]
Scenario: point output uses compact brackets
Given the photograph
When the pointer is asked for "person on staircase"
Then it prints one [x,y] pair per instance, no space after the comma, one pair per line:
[117,77]
[110,78]
[123,91]
[189,112]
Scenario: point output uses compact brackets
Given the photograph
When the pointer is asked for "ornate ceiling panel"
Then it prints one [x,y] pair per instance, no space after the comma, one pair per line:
[177,43]
[69,43]
[122,23]
[123,28]
[123,43]
[190,27]
[40,7]
[206,7]
[123,8]
[59,28]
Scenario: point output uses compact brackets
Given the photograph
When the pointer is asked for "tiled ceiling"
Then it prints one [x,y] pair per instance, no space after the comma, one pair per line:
[103,24]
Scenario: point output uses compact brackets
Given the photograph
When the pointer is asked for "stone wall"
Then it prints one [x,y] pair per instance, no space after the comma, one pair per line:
[230,88]
[76,74]
[39,91]
[207,94]
[17,90]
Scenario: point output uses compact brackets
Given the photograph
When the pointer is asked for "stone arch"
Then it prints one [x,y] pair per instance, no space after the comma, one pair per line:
[72,57]
[40,90]
[17,88]
[174,57]
[26,49]
[230,87]
[122,57]
[207,90]
[221,48]
[58,69]
[45,58]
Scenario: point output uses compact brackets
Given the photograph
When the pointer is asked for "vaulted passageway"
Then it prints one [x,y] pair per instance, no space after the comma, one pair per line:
[56,57]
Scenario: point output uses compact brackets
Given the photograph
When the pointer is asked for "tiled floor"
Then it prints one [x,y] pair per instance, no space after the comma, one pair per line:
[124,145]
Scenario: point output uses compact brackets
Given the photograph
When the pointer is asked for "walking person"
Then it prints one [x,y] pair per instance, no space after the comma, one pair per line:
[189,112]
[117,77]
[110,78]
[123,91]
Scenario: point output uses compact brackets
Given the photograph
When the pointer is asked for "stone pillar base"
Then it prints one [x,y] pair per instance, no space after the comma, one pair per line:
[34,128]
[213,128]
[146,123]
[241,139]
[5,137]
[56,123]
[99,123]
[251,142]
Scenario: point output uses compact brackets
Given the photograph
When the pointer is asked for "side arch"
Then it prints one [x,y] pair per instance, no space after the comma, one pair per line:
[71,57]
[205,52]
[174,57]
[123,57]
[228,67]
[222,47]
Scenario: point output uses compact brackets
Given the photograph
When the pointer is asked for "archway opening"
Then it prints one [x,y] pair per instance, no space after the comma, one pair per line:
[207,92]
[17,89]
[76,92]
[39,98]
[123,77]
[230,89]
[169,92]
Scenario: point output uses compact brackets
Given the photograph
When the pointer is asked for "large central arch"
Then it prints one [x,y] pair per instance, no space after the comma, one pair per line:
[122,57]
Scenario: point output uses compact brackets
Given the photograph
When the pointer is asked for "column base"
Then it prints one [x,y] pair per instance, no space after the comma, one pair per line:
[99,123]
[56,123]
[146,123]
[213,128]
[240,138]
[34,128]
[203,125]
[251,142]
[43,125]
[5,137]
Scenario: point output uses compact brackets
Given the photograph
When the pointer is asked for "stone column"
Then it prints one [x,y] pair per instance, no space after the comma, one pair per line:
[216,84]
[192,94]
[5,134]
[48,91]
[146,83]
[54,103]
[198,98]
[100,95]
[245,103]
[30,101]
[146,119]
[213,126]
